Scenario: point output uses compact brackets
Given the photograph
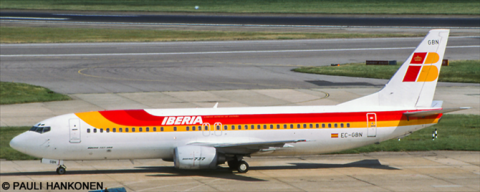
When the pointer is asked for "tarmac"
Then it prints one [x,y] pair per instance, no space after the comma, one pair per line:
[31,113]
[379,171]
[247,85]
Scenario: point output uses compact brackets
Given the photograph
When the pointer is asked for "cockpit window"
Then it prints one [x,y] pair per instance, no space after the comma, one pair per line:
[40,129]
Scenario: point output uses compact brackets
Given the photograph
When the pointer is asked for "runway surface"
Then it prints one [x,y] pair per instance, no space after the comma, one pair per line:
[382,171]
[193,66]
[247,20]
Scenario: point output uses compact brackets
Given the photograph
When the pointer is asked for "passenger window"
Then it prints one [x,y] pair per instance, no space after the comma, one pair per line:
[140,129]
[161,128]
[101,130]
[108,130]
[316,125]
[126,129]
[239,127]
[188,128]
[252,127]
[278,126]
[341,125]
[225,127]
[259,126]
[199,128]
[46,129]
[304,126]
[335,125]
[205,128]
[218,127]
[94,130]
[311,125]
[246,127]
[329,125]
[284,126]
[174,128]
[298,126]
[233,127]
[291,126]
[264,126]
[133,129]
[88,130]
[114,130]
[348,124]
[193,128]
[120,130]
[154,129]
[323,125]
[271,126]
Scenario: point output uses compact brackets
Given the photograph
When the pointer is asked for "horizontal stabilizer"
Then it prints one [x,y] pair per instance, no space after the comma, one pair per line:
[433,112]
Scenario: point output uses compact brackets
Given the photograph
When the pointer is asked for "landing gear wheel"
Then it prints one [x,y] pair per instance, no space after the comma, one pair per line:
[233,164]
[61,170]
[242,167]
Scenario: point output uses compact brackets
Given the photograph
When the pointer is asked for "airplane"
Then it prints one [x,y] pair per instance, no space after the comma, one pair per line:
[203,138]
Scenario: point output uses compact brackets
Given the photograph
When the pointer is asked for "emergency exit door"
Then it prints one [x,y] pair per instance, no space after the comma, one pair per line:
[206,129]
[371,124]
[74,127]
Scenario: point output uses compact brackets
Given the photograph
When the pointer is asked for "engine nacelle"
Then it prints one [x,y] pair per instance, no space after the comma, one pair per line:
[197,157]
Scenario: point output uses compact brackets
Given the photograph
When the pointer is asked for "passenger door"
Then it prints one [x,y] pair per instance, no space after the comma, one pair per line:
[371,124]
[74,128]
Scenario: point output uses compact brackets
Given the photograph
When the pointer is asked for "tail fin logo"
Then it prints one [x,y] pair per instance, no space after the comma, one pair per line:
[422,68]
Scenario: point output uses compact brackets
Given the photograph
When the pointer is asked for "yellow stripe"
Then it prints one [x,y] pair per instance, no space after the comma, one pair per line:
[96,120]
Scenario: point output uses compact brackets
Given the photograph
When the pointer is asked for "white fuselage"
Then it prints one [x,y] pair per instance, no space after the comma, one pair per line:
[102,145]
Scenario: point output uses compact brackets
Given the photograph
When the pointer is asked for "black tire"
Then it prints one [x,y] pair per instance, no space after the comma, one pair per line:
[242,167]
[61,170]
[233,164]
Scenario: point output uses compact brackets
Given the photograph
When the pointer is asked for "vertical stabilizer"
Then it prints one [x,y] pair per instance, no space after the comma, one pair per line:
[413,85]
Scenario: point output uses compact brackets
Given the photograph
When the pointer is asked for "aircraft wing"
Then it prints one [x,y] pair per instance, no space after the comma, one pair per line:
[248,147]
[433,112]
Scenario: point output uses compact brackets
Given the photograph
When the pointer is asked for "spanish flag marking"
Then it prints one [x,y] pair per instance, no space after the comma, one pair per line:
[334,135]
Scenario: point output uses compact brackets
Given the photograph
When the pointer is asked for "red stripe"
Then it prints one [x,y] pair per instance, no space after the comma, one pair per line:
[142,118]
[132,117]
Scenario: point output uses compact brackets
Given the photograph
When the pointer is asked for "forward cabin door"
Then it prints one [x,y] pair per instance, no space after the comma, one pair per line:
[371,124]
[74,128]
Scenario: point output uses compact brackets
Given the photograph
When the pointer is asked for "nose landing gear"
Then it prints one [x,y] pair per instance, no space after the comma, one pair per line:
[61,169]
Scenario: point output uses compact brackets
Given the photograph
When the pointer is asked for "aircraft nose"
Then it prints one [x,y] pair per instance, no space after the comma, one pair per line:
[17,144]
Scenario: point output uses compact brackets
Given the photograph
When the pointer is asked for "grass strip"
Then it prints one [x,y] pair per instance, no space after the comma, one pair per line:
[464,71]
[11,93]
[63,35]
[455,132]
[437,7]
[7,152]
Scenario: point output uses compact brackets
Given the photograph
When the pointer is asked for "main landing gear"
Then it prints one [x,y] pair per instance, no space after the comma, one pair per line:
[239,165]
[62,169]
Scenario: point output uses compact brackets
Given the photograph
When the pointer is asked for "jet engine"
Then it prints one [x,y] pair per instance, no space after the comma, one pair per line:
[197,157]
